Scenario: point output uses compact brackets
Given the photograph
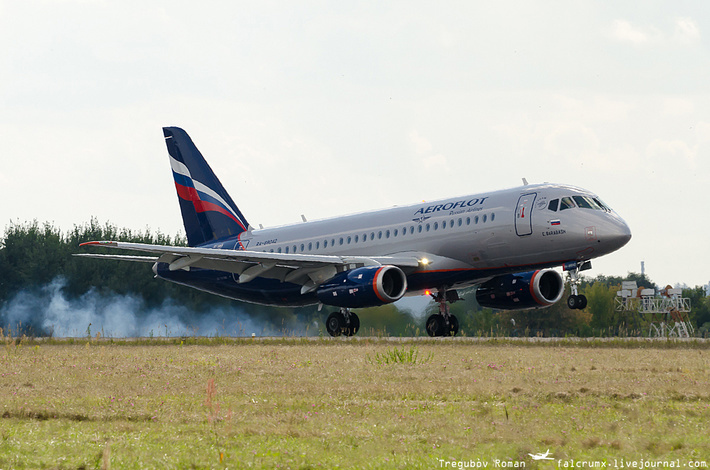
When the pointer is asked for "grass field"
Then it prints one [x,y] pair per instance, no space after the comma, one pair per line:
[364,403]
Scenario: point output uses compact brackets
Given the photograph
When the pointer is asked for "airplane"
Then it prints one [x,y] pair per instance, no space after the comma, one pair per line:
[506,243]
[541,456]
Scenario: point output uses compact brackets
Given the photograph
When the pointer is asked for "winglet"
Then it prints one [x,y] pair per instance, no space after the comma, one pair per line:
[100,243]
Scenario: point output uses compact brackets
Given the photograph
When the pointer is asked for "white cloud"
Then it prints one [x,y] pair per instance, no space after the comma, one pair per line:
[702,131]
[572,140]
[624,31]
[421,144]
[678,106]
[435,163]
[686,31]
[668,155]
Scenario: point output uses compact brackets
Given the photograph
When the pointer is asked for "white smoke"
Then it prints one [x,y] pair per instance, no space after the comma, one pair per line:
[122,316]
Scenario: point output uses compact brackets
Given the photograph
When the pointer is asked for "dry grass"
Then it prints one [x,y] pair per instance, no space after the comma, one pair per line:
[324,404]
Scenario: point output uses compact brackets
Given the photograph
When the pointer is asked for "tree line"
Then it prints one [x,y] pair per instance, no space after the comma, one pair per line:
[33,255]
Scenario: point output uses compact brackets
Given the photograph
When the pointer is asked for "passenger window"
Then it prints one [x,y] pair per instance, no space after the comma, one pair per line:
[372,236]
[310,246]
[387,234]
[428,227]
[419,229]
[394,234]
[279,250]
[582,202]
[302,248]
[553,205]
[350,239]
[468,220]
[484,218]
[411,230]
[325,243]
[317,245]
[286,249]
[460,222]
[357,237]
[436,225]
[566,203]
[493,217]
[379,235]
[475,220]
[294,248]
[341,240]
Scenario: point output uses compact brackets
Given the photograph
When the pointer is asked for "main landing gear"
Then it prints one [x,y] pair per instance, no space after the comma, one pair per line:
[576,301]
[443,323]
[343,322]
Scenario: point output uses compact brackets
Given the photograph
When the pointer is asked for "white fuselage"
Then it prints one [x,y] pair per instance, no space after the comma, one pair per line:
[500,231]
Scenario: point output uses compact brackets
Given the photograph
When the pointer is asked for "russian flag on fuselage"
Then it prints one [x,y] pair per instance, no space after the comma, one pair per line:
[208,211]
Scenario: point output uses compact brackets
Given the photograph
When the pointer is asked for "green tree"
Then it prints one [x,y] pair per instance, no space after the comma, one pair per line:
[699,307]
[600,304]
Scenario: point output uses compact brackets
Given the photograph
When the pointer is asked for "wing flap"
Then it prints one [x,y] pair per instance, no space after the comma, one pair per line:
[138,259]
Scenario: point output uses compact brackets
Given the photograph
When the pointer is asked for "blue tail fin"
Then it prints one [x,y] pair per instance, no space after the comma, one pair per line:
[207,210]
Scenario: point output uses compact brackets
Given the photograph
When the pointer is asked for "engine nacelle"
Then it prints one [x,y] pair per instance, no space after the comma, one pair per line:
[368,286]
[519,291]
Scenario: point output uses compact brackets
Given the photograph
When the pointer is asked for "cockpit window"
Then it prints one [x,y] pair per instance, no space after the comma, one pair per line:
[601,204]
[566,203]
[582,202]
[586,202]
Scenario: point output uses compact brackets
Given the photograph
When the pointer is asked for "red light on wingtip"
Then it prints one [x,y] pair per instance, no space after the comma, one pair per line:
[427,292]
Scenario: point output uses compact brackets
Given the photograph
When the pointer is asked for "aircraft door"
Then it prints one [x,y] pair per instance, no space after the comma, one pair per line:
[523,214]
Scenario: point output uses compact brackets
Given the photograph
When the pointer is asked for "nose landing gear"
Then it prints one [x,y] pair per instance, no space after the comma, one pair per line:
[576,301]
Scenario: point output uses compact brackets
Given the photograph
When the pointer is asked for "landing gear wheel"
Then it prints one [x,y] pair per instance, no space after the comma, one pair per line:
[576,302]
[435,325]
[354,326]
[335,323]
[453,325]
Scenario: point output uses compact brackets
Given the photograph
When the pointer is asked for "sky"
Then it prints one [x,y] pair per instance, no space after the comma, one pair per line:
[327,108]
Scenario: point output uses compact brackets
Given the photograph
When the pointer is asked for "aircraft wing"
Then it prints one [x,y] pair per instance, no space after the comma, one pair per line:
[306,270]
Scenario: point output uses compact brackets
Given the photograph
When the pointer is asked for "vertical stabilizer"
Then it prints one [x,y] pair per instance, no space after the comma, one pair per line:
[208,212]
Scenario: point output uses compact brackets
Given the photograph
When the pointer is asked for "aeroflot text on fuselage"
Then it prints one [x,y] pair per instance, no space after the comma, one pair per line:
[451,205]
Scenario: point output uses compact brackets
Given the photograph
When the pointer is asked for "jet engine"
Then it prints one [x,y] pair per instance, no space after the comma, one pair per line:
[533,289]
[368,286]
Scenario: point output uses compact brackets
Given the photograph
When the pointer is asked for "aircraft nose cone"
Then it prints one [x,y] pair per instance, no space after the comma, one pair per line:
[619,235]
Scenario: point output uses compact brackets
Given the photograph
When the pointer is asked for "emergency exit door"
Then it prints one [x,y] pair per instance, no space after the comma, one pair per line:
[523,214]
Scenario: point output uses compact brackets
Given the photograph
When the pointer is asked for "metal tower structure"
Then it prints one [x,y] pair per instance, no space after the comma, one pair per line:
[666,311]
